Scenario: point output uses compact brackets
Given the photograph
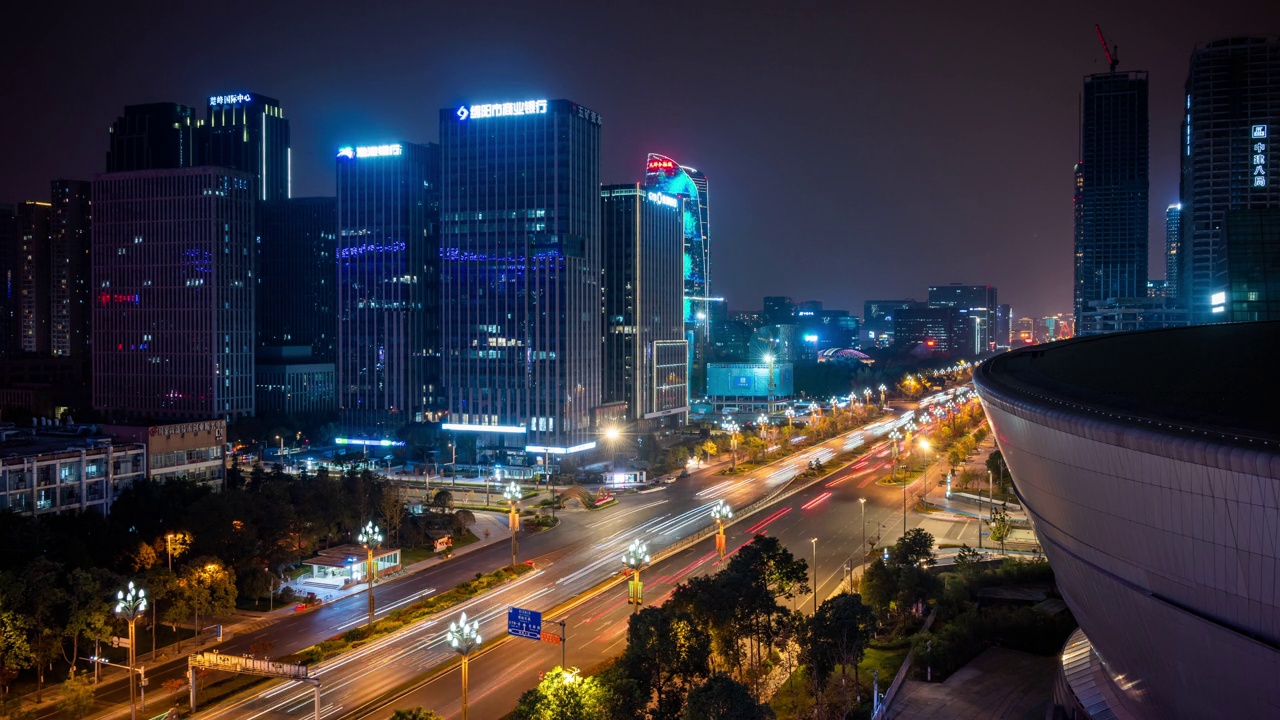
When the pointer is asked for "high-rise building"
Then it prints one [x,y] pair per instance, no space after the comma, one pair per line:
[645,352]
[154,136]
[1004,327]
[297,296]
[70,291]
[388,258]
[1172,248]
[664,175]
[34,268]
[521,272]
[1112,190]
[778,310]
[976,305]
[937,330]
[1251,255]
[249,132]
[1232,112]
[172,321]
[9,344]
[877,320]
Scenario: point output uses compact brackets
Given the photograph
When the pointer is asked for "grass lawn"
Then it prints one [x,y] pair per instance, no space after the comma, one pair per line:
[409,556]
[794,700]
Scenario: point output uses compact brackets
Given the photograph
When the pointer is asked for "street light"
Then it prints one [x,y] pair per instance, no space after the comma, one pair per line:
[814,540]
[635,557]
[883,390]
[763,421]
[130,606]
[611,436]
[768,358]
[863,502]
[732,428]
[371,539]
[463,638]
[513,495]
[790,413]
[720,512]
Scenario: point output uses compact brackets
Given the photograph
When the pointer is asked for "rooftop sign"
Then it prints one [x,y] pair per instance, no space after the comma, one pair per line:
[235,99]
[525,107]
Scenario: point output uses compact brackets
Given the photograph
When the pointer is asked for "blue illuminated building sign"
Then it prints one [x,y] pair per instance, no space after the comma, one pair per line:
[663,199]
[362,441]
[1258,158]
[235,99]
[362,249]
[369,151]
[525,107]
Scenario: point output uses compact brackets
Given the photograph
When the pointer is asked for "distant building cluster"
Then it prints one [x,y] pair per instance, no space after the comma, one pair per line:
[1220,257]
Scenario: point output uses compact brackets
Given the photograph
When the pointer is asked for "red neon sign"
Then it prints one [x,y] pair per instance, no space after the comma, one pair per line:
[662,165]
[117,299]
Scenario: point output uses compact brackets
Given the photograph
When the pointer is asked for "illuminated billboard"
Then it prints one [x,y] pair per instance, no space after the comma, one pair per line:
[749,380]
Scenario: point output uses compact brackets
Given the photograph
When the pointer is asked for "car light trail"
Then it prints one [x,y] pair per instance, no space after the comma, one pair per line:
[754,529]
[814,502]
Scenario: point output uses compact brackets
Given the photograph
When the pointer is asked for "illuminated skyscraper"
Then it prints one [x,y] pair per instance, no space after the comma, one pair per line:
[1172,248]
[521,271]
[646,362]
[1112,190]
[248,132]
[388,258]
[173,290]
[1231,120]
[33,272]
[70,291]
[977,308]
[664,175]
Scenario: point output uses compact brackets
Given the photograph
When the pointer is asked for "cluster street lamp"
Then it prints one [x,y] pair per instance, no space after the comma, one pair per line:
[635,557]
[732,428]
[464,637]
[763,421]
[894,436]
[866,393]
[768,358]
[131,605]
[512,494]
[611,436]
[791,413]
[371,538]
[883,390]
[721,512]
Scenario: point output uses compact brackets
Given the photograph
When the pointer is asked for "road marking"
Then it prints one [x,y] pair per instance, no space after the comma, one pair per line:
[615,516]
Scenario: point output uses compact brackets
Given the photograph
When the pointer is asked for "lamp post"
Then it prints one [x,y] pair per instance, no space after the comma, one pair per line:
[512,494]
[732,428]
[763,422]
[611,436]
[130,606]
[371,539]
[721,512]
[862,502]
[464,637]
[883,390]
[635,557]
[453,465]
[894,436]
[791,413]
[814,541]
[768,358]
[866,393]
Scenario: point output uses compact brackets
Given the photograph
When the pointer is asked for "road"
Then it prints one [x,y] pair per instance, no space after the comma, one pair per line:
[572,559]
[350,683]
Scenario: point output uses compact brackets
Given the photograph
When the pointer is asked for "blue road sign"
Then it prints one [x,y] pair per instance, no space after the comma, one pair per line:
[524,623]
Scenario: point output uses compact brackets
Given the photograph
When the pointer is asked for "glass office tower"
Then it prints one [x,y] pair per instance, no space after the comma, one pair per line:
[645,355]
[1172,248]
[1112,190]
[249,132]
[387,260]
[153,137]
[1231,118]
[69,250]
[520,273]
[172,321]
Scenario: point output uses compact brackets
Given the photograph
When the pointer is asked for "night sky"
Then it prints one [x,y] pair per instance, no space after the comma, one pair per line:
[855,150]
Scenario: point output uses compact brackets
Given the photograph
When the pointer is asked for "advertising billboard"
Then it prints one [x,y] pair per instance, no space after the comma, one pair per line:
[748,380]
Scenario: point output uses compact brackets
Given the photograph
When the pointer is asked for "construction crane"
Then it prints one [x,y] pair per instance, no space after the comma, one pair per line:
[1113,53]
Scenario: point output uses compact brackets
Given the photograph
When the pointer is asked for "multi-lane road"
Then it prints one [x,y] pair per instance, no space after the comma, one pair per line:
[583,552]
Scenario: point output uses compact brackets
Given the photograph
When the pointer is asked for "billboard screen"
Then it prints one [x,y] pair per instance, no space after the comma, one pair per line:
[748,380]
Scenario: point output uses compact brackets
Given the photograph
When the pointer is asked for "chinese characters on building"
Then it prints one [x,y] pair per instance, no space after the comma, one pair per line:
[528,107]
[229,99]
[1258,158]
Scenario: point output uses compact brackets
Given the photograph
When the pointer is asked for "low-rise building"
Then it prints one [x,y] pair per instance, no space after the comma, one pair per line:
[191,451]
[65,471]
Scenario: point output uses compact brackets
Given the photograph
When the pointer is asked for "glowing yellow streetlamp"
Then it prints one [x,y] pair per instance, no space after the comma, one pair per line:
[512,494]
[635,557]
[721,512]
[371,539]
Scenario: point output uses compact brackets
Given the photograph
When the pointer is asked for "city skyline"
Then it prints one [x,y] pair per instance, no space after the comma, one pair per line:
[998,206]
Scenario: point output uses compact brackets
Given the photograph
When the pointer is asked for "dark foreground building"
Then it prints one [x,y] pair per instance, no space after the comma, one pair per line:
[1155,492]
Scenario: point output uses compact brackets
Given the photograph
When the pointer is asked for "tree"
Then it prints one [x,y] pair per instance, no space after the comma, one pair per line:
[45,601]
[15,649]
[956,455]
[837,635]
[564,695]
[755,447]
[417,713]
[443,500]
[667,654]
[1000,525]
[77,696]
[391,507]
[766,557]
[967,560]
[88,613]
[723,698]
[879,586]
[461,520]
[914,548]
